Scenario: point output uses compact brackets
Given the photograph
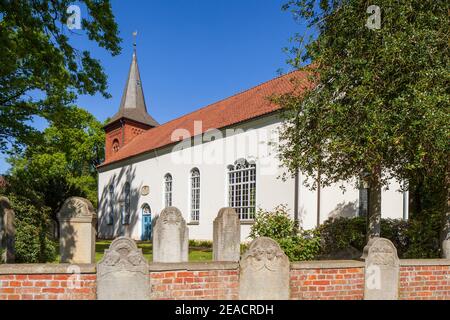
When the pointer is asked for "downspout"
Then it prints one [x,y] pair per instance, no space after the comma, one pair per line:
[319,189]
[296,201]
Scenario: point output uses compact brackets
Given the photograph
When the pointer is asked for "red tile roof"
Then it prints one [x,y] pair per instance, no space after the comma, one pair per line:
[235,109]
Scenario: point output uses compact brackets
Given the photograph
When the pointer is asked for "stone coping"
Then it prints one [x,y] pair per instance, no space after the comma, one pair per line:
[194,266]
[46,268]
[424,262]
[327,264]
[58,268]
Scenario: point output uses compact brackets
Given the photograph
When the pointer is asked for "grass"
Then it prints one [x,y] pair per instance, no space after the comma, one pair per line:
[195,253]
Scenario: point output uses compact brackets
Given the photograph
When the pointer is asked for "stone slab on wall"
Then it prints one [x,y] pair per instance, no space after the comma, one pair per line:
[77,220]
[170,237]
[264,272]
[382,270]
[7,231]
[122,274]
[227,236]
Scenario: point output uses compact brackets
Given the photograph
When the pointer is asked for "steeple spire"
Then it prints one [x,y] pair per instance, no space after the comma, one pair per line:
[132,105]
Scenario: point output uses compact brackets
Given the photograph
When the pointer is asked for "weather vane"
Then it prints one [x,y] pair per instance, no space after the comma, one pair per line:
[134,38]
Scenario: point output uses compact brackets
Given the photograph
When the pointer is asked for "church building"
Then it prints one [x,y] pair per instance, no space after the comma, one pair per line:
[222,155]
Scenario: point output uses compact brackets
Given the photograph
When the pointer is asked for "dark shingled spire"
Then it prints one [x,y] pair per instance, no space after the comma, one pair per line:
[133,106]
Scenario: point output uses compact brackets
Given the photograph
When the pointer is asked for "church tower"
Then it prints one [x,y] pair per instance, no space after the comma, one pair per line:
[132,118]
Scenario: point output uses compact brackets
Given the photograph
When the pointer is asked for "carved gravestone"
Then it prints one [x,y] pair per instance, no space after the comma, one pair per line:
[226,236]
[170,237]
[77,220]
[382,270]
[123,273]
[264,272]
[7,231]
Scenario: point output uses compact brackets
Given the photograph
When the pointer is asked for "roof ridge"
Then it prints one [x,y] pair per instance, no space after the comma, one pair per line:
[229,97]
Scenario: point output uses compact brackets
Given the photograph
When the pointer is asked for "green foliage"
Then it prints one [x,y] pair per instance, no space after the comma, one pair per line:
[41,72]
[277,224]
[62,164]
[200,243]
[380,105]
[34,243]
[413,239]
[341,233]
[423,236]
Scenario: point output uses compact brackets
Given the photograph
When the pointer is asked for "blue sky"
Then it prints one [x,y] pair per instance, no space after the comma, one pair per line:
[191,52]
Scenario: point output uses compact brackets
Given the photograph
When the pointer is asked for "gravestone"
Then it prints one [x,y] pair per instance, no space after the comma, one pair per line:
[123,273]
[77,220]
[226,236]
[7,231]
[382,270]
[264,272]
[170,237]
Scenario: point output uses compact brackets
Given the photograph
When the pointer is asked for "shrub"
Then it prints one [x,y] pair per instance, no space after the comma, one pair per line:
[413,239]
[396,230]
[33,239]
[342,233]
[424,236]
[277,224]
[200,243]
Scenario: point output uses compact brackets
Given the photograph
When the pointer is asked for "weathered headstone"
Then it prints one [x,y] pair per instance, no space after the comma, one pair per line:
[7,231]
[170,237]
[77,231]
[382,270]
[264,272]
[226,236]
[123,273]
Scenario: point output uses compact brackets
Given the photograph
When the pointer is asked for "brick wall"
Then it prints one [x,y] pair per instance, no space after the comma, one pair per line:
[328,280]
[194,285]
[424,282]
[47,282]
[316,280]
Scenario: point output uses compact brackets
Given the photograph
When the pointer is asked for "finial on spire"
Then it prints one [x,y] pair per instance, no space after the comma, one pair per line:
[134,39]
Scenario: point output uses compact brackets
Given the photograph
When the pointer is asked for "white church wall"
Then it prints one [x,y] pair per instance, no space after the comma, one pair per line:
[212,159]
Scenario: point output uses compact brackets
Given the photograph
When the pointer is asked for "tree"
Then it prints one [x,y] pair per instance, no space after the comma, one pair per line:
[40,71]
[62,163]
[380,105]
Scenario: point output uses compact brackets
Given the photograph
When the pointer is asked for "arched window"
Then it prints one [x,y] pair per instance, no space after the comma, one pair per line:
[242,188]
[195,195]
[115,145]
[110,213]
[126,211]
[168,190]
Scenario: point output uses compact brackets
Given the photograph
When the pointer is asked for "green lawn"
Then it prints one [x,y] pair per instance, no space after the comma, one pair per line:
[195,253]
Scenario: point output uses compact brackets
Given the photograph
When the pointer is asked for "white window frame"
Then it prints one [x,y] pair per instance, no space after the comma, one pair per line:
[195,185]
[242,188]
[168,190]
